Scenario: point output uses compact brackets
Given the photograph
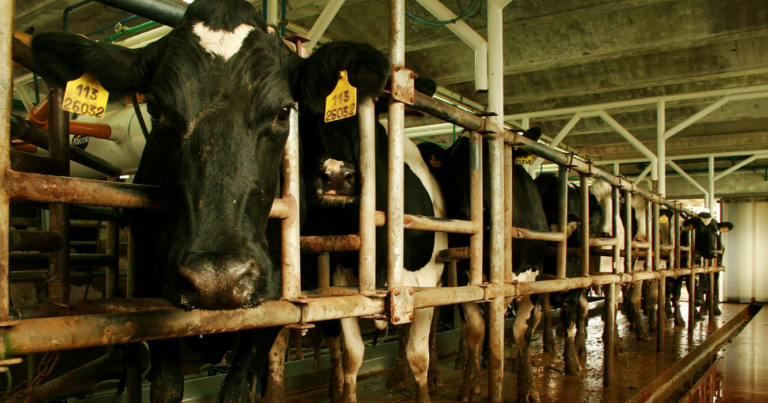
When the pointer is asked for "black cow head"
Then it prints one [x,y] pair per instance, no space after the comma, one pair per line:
[220,88]
[707,231]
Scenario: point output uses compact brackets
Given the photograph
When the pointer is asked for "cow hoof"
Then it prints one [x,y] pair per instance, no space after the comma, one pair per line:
[460,364]
[718,312]
[531,395]
[549,345]
[486,362]
[399,380]
[572,366]
[434,380]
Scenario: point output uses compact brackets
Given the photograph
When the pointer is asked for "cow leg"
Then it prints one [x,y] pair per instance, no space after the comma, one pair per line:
[568,318]
[717,294]
[353,357]
[546,317]
[676,292]
[418,352]
[642,333]
[652,302]
[617,344]
[250,362]
[167,382]
[434,379]
[399,378]
[474,325]
[582,313]
[668,299]
[692,297]
[461,356]
[528,316]
[702,294]
[332,331]
[275,392]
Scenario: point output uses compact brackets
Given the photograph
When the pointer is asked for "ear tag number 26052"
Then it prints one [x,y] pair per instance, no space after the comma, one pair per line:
[342,102]
[85,96]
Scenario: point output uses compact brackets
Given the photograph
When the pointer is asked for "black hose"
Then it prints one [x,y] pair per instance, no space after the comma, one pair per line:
[140,116]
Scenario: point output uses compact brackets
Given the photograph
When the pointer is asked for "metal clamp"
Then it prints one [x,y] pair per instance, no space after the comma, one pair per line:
[400,305]
[403,89]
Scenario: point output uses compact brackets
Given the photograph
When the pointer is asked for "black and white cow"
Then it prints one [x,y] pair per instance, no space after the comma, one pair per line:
[708,237]
[451,168]
[331,155]
[221,88]
[573,304]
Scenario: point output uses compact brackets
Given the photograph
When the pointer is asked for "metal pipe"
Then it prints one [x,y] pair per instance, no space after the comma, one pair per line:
[692,287]
[609,334]
[22,54]
[476,207]
[696,117]
[564,132]
[58,273]
[688,178]
[395,190]
[35,261]
[616,219]
[584,184]
[711,180]
[167,12]
[628,231]
[34,240]
[661,321]
[508,213]
[367,166]
[632,140]
[603,241]
[290,226]
[468,36]
[496,166]
[271,17]
[322,22]
[411,221]
[661,146]
[330,243]
[7,13]
[324,270]
[562,219]
[678,241]
[649,235]
[26,162]
[54,387]
[737,166]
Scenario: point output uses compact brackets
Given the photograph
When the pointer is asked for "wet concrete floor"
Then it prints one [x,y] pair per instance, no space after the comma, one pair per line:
[740,373]
[635,367]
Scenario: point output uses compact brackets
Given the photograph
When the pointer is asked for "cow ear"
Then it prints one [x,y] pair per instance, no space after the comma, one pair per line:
[367,69]
[425,86]
[534,133]
[725,226]
[63,57]
[690,224]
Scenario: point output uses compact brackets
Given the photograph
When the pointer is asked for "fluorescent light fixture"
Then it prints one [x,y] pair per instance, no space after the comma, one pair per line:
[128,176]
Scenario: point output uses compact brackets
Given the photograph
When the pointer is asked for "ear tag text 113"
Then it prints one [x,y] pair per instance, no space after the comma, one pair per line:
[342,102]
[85,96]
[524,159]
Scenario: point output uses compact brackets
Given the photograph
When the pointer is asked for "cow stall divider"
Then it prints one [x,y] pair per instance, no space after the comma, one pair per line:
[128,321]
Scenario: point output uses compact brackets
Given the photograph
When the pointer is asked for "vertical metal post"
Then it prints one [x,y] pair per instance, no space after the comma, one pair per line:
[290,226]
[650,235]
[691,286]
[583,183]
[615,225]
[610,299]
[711,297]
[476,208]
[324,270]
[508,212]
[7,14]
[113,249]
[562,218]
[132,350]
[131,281]
[496,164]
[711,188]
[367,165]
[58,272]
[661,146]
[678,241]
[396,198]
[628,231]
[662,285]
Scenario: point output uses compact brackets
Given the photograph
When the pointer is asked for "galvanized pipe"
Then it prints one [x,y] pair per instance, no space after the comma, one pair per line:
[7,13]
[330,243]
[34,240]
[37,261]
[661,321]
[131,279]
[678,240]
[113,249]
[367,166]
[166,12]
[603,241]
[562,218]
[711,297]
[476,207]
[508,213]
[54,387]
[692,286]
[395,190]
[324,270]
[26,162]
[628,231]
[290,226]
[523,233]
[616,220]
[584,184]
[649,235]
[609,334]
[58,272]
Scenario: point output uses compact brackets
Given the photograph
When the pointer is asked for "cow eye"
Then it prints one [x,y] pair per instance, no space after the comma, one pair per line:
[284,113]
[153,111]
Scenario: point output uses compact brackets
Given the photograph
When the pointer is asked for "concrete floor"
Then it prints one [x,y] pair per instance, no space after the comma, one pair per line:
[636,367]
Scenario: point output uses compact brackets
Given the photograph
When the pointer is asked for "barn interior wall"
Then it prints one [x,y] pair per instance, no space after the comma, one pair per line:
[746,258]
[736,184]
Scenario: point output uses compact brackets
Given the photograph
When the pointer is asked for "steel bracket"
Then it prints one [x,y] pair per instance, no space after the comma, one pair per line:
[403,89]
[401,305]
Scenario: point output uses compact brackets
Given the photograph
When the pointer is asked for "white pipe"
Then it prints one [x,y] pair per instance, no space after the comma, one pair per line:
[737,166]
[696,117]
[616,169]
[145,38]
[559,138]
[687,157]
[466,34]
[711,180]
[431,133]
[689,179]
[643,174]
[661,146]
[643,101]
[272,12]
[503,3]
[632,140]
[325,18]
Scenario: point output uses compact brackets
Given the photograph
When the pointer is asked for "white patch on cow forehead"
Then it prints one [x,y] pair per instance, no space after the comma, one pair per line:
[706,221]
[223,43]
[331,165]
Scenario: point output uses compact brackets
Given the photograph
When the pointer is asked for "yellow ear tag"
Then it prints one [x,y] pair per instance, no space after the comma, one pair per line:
[342,102]
[85,96]
[524,160]
[663,219]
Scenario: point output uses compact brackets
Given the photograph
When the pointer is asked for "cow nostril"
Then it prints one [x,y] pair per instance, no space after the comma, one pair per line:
[349,174]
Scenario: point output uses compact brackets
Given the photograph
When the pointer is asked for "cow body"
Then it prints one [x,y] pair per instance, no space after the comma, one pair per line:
[452,171]
[220,88]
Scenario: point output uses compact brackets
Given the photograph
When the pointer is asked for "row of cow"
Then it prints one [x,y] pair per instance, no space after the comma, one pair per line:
[221,89]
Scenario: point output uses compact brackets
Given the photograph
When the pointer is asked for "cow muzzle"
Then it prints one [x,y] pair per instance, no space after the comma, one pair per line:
[217,282]
[337,182]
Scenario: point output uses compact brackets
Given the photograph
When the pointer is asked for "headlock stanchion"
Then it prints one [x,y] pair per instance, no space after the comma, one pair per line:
[47,327]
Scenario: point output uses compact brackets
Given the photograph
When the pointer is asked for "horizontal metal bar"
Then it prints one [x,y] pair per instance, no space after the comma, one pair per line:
[522,233]
[641,245]
[425,223]
[447,255]
[45,241]
[332,243]
[37,261]
[603,241]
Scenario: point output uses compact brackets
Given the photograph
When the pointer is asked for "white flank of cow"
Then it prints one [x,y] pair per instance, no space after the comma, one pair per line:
[417,350]
[220,42]
[602,191]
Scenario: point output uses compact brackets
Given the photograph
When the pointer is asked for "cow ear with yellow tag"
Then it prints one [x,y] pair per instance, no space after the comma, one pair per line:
[341,103]
[526,159]
[85,96]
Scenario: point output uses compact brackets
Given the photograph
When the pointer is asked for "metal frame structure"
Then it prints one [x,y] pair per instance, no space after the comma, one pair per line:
[123,321]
